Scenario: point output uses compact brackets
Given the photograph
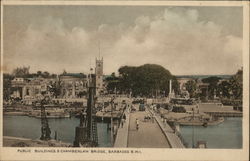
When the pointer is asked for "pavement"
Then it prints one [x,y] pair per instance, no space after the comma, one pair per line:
[122,133]
[174,140]
[149,134]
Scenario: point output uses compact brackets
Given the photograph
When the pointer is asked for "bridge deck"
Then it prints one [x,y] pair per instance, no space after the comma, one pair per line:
[149,134]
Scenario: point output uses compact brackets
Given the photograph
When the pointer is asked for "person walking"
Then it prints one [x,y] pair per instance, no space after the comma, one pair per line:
[137,124]
[153,117]
[122,122]
[124,117]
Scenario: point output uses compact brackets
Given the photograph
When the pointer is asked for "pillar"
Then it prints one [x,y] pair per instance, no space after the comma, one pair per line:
[24,92]
[73,90]
[170,87]
[18,93]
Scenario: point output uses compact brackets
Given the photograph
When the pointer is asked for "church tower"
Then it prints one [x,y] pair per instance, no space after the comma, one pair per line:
[99,75]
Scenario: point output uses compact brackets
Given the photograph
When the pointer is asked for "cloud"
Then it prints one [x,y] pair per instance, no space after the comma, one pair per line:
[179,41]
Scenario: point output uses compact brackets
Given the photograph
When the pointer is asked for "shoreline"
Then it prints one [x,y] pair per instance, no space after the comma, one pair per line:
[12,141]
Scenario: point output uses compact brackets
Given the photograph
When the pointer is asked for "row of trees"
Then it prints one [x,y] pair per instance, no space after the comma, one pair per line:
[146,80]
[232,88]
[24,72]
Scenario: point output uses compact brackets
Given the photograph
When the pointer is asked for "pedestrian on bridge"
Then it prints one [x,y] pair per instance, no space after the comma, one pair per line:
[124,117]
[137,124]
[122,122]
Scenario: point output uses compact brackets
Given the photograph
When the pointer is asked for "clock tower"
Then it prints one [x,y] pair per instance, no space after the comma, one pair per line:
[99,75]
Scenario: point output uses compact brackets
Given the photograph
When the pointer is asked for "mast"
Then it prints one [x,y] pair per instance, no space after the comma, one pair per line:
[86,132]
[45,130]
[193,129]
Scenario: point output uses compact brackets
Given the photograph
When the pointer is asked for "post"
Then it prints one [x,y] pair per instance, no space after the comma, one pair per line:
[73,90]
[111,125]
[170,87]
[23,92]
[193,129]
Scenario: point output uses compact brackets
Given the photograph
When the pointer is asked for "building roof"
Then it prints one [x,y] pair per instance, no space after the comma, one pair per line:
[76,75]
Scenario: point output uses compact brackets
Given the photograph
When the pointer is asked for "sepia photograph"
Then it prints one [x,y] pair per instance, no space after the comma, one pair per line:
[123,76]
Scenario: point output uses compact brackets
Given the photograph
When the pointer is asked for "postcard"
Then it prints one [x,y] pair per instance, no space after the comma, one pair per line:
[125,80]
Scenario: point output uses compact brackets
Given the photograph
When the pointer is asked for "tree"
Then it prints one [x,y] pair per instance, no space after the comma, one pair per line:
[53,75]
[113,74]
[113,83]
[64,71]
[39,73]
[146,80]
[191,87]
[213,85]
[224,89]
[45,74]
[236,83]
[21,71]
[7,90]
[55,88]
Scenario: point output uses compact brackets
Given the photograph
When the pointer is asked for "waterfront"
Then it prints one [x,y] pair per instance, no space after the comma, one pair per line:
[30,127]
[227,135]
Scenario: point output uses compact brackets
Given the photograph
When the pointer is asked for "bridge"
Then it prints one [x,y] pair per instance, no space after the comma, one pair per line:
[152,133]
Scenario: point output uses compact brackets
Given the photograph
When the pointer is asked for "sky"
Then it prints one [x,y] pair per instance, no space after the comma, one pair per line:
[184,40]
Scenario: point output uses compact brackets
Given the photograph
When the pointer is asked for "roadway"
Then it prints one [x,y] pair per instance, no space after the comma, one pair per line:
[149,134]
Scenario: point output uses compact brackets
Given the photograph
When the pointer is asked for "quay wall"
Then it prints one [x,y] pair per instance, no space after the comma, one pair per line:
[225,114]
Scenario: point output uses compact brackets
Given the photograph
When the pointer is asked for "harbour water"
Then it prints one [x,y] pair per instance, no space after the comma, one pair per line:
[227,135]
[30,127]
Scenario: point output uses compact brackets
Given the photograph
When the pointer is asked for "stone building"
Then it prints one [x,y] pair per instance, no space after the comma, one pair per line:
[182,81]
[29,89]
[73,85]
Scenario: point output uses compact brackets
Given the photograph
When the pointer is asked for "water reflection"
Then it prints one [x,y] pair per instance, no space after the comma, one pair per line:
[226,135]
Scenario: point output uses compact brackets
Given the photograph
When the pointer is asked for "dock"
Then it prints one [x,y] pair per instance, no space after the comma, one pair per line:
[216,110]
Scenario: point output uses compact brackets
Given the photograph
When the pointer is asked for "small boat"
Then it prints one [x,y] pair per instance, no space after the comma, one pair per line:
[201,144]
[204,124]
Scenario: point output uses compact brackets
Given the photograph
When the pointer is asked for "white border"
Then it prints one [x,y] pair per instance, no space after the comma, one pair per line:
[147,153]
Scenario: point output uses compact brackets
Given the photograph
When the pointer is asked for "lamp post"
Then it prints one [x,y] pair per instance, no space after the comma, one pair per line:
[111,126]
[45,130]
[193,129]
